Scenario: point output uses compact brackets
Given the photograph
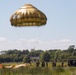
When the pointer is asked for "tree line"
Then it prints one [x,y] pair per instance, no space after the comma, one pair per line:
[56,55]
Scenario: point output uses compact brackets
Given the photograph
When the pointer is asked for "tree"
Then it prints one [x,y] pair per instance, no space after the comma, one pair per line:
[64,56]
[57,55]
[26,59]
[71,48]
[25,52]
[45,56]
[74,53]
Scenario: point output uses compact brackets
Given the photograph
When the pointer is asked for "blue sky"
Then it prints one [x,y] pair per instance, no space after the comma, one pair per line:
[59,32]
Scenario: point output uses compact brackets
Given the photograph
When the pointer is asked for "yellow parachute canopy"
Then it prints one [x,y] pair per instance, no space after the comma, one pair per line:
[28,15]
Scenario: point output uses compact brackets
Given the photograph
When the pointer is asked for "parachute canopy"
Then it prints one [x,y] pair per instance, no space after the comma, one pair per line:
[28,15]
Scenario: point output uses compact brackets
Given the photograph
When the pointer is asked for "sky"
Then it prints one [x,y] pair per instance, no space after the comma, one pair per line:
[58,33]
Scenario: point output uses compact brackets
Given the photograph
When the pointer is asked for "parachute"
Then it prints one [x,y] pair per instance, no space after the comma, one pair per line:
[28,15]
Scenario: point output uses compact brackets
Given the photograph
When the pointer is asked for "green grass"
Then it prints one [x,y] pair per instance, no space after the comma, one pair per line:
[32,70]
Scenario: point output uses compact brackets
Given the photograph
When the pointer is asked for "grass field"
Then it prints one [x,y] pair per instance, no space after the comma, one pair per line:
[32,70]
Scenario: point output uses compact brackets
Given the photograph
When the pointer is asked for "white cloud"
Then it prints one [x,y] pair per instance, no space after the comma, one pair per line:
[21,44]
[2,39]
